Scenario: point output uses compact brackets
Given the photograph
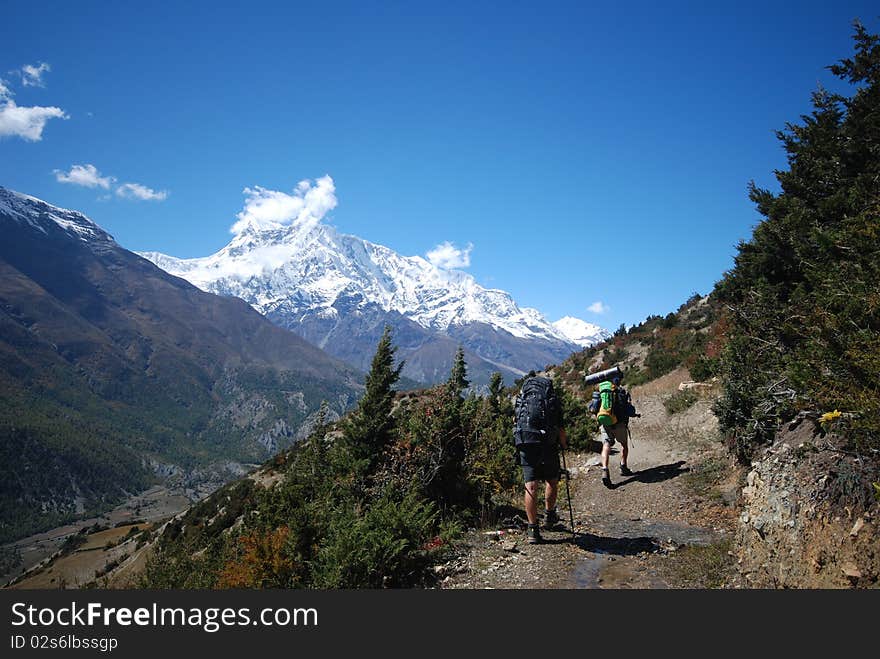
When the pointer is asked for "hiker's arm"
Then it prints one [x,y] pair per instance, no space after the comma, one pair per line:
[563,440]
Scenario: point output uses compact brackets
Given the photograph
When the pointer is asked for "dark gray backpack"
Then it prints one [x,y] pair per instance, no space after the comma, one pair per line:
[535,410]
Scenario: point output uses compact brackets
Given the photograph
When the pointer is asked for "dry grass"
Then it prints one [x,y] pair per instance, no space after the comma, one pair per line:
[101,539]
[665,384]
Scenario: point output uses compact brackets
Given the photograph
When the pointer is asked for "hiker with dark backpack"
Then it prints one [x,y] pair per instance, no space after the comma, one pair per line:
[538,435]
[613,408]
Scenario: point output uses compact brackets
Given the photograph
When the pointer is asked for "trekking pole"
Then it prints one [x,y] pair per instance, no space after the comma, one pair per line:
[568,494]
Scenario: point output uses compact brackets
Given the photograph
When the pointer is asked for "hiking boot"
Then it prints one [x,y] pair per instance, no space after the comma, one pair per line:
[533,535]
[551,519]
[625,471]
[606,479]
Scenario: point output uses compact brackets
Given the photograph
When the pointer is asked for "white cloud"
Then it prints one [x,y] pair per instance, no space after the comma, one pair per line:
[138,191]
[449,257]
[32,76]
[85,175]
[305,208]
[25,122]
[599,307]
[88,176]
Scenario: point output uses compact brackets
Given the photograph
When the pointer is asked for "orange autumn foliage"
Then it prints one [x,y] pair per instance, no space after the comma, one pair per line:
[261,562]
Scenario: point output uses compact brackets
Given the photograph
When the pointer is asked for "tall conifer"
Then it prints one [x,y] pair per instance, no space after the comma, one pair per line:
[368,430]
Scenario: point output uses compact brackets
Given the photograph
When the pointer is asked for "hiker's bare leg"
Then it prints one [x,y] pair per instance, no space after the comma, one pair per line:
[550,491]
[531,501]
[624,451]
[606,451]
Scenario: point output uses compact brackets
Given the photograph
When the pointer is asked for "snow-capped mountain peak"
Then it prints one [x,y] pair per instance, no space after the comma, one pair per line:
[580,331]
[309,267]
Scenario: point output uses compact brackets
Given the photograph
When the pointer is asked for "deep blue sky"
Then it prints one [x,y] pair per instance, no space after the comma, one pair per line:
[589,153]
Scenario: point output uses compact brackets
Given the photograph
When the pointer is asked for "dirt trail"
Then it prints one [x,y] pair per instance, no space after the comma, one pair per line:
[668,525]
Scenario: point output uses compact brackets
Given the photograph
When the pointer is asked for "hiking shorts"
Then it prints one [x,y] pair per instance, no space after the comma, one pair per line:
[540,462]
[616,432]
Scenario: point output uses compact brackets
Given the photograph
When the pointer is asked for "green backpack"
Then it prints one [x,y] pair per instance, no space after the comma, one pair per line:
[606,415]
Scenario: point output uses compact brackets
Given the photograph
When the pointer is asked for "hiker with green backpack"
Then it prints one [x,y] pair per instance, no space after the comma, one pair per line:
[613,408]
[539,435]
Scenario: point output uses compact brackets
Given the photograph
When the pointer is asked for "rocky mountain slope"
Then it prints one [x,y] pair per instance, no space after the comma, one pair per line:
[114,373]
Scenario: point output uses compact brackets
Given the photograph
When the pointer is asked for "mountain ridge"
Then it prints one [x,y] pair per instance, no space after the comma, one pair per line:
[329,287]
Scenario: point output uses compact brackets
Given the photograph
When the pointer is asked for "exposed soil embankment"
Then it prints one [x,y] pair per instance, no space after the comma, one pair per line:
[804,522]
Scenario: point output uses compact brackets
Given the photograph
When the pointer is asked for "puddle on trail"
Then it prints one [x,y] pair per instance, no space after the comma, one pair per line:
[615,550]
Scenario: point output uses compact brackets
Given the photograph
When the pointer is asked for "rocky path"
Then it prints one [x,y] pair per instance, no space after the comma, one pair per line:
[669,525]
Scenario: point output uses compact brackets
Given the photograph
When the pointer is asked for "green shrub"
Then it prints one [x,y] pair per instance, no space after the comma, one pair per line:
[680,401]
[661,361]
[580,425]
[384,547]
[705,368]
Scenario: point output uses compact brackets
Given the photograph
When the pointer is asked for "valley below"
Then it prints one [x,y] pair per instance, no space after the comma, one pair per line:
[41,559]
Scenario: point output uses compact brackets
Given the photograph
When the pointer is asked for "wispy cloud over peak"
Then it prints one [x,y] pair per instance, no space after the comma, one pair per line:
[449,257]
[305,207]
[599,308]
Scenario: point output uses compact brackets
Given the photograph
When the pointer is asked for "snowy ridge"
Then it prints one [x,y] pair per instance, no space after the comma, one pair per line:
[36,212]
[296,269]
[581,332]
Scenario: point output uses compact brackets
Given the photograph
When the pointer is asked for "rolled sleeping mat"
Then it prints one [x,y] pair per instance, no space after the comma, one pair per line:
[601,376]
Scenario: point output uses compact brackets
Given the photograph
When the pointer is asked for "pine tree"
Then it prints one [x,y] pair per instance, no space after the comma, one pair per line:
[368,429]
[496,391]
[458,381]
